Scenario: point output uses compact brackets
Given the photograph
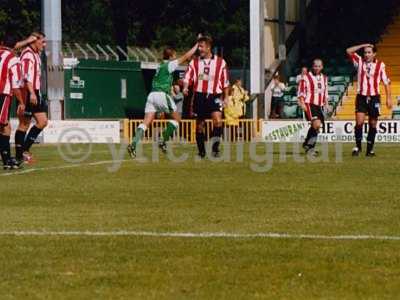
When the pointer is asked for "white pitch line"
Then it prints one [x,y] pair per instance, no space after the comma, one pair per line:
[226,235]
[97,163]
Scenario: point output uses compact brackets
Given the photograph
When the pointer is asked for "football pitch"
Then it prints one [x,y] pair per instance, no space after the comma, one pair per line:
[201,229]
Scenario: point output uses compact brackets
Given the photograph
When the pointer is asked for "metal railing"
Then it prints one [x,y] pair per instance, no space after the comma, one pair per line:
[108,52]
[246,131]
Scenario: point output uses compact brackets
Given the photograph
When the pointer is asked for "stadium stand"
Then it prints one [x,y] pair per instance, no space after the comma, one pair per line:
[354,28]
[388,51]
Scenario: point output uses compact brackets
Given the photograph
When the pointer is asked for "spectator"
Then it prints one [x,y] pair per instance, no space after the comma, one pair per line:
[234,109]
[299,77]
[277,90]
[239,94]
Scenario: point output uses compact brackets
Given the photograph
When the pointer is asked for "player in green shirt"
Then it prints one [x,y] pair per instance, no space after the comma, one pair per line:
[160,100]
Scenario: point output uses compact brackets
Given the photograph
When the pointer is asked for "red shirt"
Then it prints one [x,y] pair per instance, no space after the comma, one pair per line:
[314,89]
[31,67]
[10,72]
[209,76]
[369,75]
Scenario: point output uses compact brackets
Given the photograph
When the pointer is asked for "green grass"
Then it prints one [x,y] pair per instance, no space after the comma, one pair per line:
[355,197]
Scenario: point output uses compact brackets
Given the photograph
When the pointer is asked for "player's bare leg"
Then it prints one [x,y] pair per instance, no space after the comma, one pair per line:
[371,136]
[172,126]
[148,119]
[200,137]
[217,132]
[358,132]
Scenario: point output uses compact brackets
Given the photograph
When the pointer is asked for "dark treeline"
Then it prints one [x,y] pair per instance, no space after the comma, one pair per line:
[151,23]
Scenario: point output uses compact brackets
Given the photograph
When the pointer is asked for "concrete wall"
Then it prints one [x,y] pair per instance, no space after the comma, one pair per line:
[271,29]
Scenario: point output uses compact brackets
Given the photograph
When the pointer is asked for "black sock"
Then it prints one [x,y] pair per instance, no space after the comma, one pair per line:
[311,139]
[308,137]
[31,138]
[200,137]
[5,148]
[314,138]
[371,139]
[19,143]
[358,131]
[216,135]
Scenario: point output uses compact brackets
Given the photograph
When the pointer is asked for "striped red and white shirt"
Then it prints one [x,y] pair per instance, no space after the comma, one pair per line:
[314,89]
[369,75]
[209,76]
[10,72]
[31,67]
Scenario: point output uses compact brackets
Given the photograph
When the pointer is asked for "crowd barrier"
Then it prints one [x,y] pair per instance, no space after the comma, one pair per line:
[246,131]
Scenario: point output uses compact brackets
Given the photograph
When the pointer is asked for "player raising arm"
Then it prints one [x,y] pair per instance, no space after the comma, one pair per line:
[209,75]
[370,73]
[36,105]
[160,100]
[24,43]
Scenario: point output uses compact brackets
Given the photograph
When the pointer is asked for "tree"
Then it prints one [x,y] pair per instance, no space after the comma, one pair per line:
[120,23]
[87,21]
[19,17]
[150,23]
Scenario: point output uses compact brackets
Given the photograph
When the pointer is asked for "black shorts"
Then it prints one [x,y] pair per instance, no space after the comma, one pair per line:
[314,112]
[5,105]
[277,101]
[205,104]
[31,109]
[370,105]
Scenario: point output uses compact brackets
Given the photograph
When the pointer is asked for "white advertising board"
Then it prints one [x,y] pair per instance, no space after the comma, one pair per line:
[332,131]
[78,132]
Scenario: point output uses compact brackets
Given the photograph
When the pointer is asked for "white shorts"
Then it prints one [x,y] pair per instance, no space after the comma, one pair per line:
[159,102]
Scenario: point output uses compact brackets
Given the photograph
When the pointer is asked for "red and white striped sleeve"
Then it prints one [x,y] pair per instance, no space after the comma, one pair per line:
[15,73]
[384,77]
[302,88]
[326,98]
[28,67]
[224,78]
[355,59]
[190,74]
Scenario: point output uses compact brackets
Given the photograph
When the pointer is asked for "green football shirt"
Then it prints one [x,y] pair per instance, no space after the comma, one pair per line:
[162,81]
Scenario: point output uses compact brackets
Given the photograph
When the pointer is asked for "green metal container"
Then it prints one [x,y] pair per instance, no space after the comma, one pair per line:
[104,90]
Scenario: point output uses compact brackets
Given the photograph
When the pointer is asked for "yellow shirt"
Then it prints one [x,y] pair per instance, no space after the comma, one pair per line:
[233,111]
[239,94]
